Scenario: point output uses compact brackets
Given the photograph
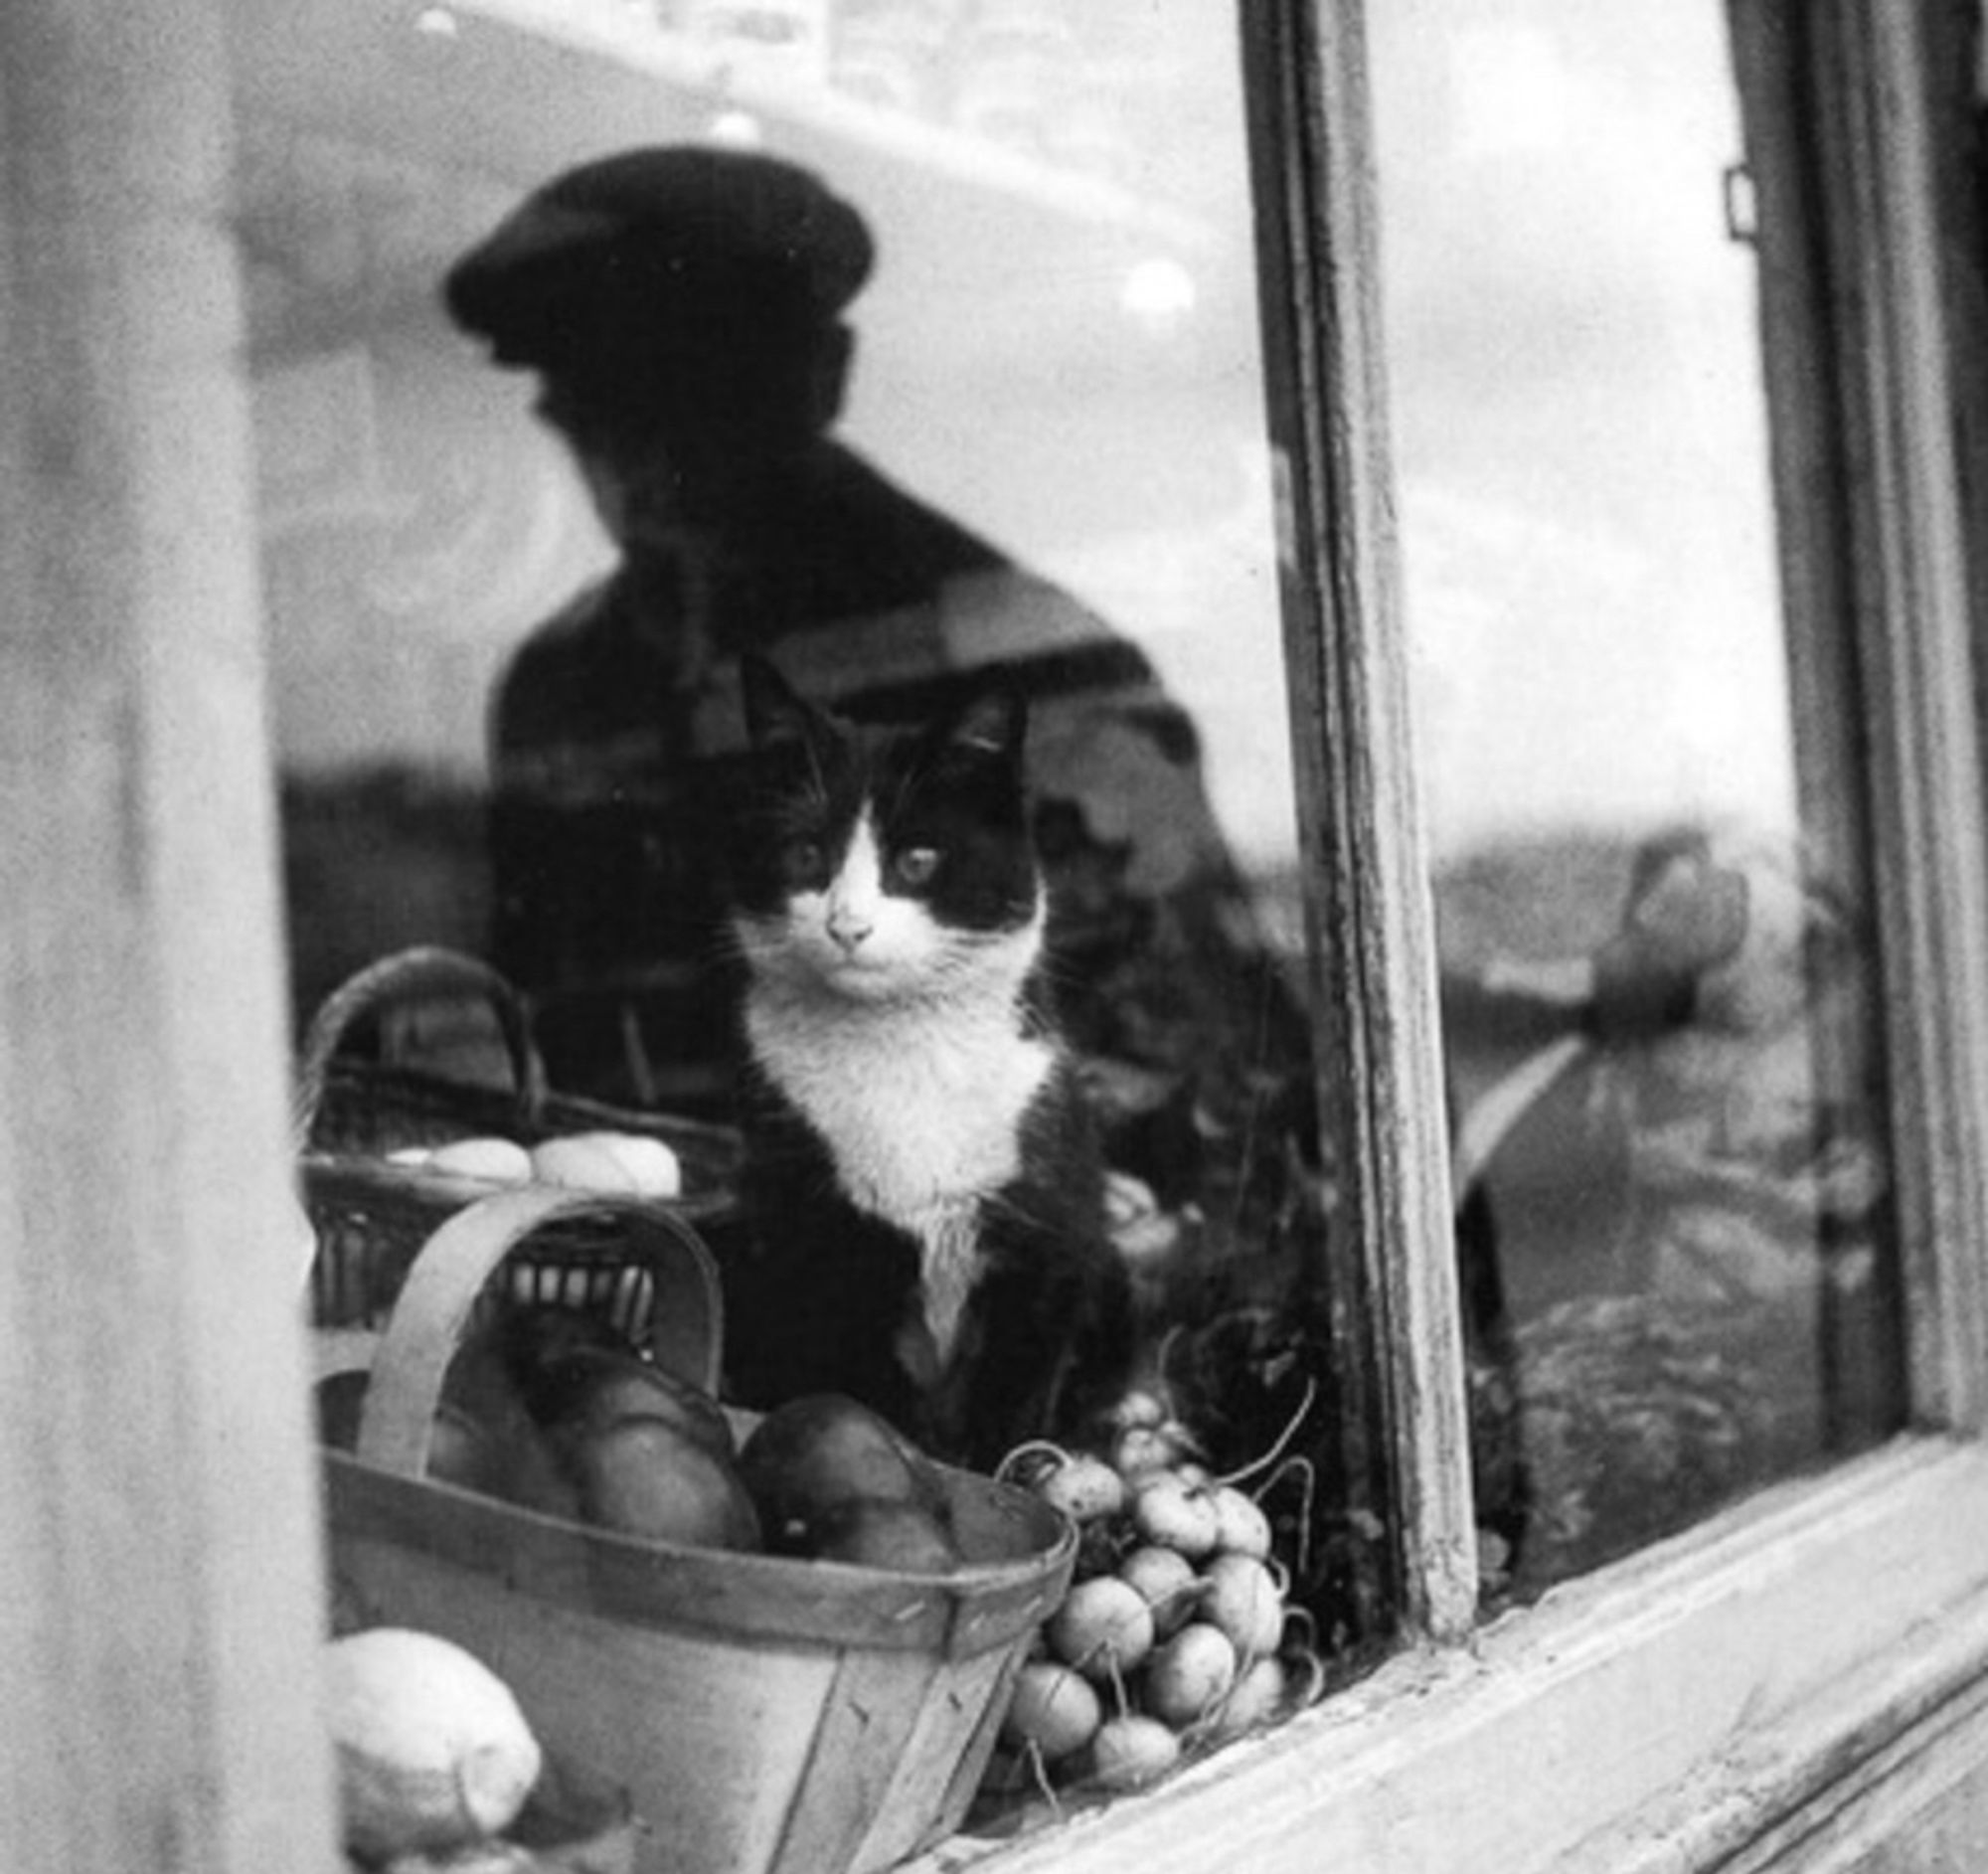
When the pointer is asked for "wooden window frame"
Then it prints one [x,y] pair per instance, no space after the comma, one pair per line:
[161,1594]
[1766,1689]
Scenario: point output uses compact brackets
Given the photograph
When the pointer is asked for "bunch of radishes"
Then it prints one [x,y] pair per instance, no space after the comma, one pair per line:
[1175,1633]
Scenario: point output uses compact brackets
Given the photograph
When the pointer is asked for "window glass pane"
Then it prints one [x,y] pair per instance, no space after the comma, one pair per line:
[1677,1241]
[912,347]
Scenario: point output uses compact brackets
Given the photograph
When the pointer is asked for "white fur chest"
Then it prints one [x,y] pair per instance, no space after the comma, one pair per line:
[921,1107]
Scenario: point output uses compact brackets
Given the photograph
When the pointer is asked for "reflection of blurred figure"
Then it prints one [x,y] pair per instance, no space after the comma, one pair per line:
[1706,1057]
[1672,1217]
[684,308]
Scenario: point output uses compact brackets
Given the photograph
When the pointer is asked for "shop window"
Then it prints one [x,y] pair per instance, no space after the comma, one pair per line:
[1047,286]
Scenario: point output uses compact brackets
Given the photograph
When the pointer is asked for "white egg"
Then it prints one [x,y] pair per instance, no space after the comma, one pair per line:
[656,1169]
[582,1161]
[495,1160]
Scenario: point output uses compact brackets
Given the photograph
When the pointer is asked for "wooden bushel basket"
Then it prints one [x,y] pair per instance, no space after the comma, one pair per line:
[767,1715]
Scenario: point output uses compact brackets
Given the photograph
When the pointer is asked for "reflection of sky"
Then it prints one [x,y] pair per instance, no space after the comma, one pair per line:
[1578,415]
[1121,446]
[1081,386]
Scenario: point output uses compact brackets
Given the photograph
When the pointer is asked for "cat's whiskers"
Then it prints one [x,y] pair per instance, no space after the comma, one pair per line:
[755,941]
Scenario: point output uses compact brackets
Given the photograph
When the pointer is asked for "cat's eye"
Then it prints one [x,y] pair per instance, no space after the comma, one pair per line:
[802,861]
[916,866]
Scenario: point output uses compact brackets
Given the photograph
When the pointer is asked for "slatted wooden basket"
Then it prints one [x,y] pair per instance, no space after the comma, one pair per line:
[768,1715]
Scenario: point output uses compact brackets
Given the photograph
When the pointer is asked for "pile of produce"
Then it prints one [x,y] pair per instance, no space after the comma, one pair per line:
[620,1164]
[1176,1633]
[557,1412]
[554,1412]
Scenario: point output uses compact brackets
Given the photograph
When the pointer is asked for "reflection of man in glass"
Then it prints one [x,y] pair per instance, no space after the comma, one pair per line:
[684,308]
[1676,1226]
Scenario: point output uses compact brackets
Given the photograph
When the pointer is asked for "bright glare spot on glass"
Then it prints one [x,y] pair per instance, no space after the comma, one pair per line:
[735,131]
[436,22]
[1158,293]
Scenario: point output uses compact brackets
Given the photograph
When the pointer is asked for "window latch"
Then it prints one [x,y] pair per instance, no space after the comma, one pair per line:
[1742,204]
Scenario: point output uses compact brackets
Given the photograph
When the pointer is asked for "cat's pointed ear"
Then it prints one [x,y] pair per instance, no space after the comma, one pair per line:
[996,722]
[774,709]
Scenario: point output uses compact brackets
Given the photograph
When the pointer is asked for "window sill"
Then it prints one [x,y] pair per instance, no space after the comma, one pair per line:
[1788,1642]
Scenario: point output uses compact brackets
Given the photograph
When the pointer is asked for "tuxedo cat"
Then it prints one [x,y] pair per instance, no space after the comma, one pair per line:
[922,1181]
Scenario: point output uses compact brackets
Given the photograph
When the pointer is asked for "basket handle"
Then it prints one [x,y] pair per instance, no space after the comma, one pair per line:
[426,1328]
[424,970]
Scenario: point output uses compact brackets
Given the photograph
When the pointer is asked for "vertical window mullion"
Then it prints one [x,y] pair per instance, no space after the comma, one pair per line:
[1360,818]
[1929,843]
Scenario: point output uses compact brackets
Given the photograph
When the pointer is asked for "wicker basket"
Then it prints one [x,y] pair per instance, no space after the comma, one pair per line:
[769,1716]
[372,1215]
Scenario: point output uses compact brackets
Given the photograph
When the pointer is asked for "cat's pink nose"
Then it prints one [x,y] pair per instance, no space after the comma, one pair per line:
[850,929]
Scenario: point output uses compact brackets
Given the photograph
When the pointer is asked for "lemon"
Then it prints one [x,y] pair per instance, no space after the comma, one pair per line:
[432,1749]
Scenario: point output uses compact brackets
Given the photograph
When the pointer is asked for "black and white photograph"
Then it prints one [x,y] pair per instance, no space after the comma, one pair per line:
[994,936]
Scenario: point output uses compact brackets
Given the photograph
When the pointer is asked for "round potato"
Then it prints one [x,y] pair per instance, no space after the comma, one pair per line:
[810,1457]
[903,1537]
[644,1478]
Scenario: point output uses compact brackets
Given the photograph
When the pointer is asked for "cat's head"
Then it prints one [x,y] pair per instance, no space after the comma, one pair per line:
[883,864]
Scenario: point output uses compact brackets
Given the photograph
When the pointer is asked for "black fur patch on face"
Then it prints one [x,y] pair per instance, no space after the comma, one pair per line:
[801,796]
[947,804]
